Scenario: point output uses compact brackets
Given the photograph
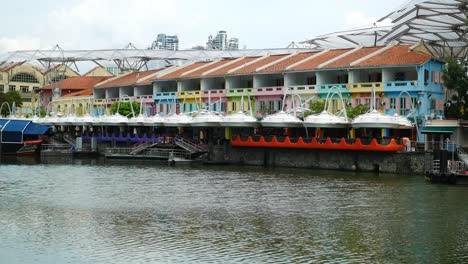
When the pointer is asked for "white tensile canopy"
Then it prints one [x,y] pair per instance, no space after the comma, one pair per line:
[439,23]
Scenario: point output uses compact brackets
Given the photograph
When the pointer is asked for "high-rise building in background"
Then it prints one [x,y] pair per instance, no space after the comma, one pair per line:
[221,42]
[165,42]
[233,44]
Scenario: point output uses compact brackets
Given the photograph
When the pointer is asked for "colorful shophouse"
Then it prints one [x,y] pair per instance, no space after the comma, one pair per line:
[407,79]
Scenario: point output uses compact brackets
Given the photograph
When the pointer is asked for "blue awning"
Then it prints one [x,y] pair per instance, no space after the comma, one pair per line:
[12,131]
[34,129]
[2,123]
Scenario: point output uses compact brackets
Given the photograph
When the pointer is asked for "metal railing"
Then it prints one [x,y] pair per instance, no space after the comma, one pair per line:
[56,148]
[189,144]
[456,166]
[150,153]
[436,166]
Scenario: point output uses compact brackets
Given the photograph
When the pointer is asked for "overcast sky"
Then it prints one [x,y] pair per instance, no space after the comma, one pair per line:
[101,24]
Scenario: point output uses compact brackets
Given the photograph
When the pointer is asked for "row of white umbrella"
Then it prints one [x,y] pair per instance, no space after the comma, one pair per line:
[204,118]
[372,119]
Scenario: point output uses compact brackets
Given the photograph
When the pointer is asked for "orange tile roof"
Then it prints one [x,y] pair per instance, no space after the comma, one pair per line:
[315,62]
[198,73]
[396,55]
[252,67]
[281,66]
[226,69]
[78,82]
[126,79]
[347,60]
[177,73]
[87,92]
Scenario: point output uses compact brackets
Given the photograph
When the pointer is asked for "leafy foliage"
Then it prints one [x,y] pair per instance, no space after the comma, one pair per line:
[456,79]
[352,112]
[125,108]
[317,106]
[10,98]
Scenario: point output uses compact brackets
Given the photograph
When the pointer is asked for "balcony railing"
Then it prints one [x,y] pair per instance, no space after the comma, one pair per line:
[278,90]
[401,86]
[189,94]
[302,89]
[324,88]
[165,95]
[365,87]
[146,98]
[214,94]
[240,92]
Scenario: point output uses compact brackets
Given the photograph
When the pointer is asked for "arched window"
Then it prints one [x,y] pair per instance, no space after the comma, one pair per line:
[24,77]
[59,78]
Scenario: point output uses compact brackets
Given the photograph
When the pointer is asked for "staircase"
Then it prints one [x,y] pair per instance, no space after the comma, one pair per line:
[69,140]
[462,155]
[142,147]
[190,145]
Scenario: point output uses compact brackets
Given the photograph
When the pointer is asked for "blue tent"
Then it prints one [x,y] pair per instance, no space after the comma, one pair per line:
[12,131]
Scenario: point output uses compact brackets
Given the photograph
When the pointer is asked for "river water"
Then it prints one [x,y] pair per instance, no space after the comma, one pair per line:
[85,211]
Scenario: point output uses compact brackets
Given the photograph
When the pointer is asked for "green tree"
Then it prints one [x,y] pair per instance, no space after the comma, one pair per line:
[317,106]
[352,112]
[456,79]
[10,98]
[125,109]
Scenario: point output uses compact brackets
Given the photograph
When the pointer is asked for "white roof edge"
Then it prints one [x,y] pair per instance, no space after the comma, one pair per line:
[313,56]
[111,79]
[275,62]
[340,57]
[377,52]
[222,66]
[248,63]
[199,68]
[173,69]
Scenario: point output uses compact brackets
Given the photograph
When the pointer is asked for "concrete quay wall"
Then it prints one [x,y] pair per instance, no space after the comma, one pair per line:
[399,163]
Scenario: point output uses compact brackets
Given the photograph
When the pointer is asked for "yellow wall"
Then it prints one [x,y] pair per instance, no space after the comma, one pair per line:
[31,99]
[98,71]
[78,105]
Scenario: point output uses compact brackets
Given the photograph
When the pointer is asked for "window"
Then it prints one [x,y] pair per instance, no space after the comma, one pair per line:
[312,80]
[271,106]
[279,82]
[392,103]
[402,106]
[59,78]
[367,101]
[426,77]
[357,101]
[249,84]
[437,77]
[433,104]
[399,76]
[334,105]
[26,100]
[2,88]
[414,102]
[35,88]
[24,89]
[11,88]
[234,107]
[49,99]
[342,79]
[374,77]
[25,78]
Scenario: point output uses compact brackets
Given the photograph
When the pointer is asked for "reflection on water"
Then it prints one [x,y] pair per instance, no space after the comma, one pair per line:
[87,211]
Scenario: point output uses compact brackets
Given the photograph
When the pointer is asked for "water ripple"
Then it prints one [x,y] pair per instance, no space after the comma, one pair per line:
[134,213]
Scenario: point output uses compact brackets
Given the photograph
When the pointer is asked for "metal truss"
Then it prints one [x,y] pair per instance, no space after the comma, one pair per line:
[439,23]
